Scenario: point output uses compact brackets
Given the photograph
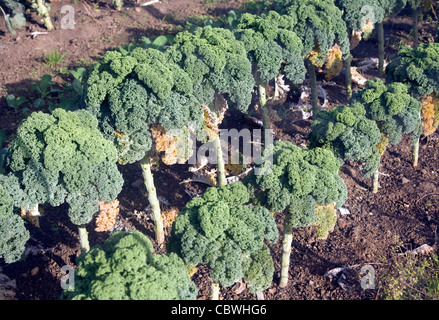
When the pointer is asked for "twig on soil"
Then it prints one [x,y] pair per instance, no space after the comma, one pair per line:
[425,195]
[148,3]
[361,188]
[239,176]
[161,21]
[86,9]
[434,12]
[37,33]
[206,178]
[363,264]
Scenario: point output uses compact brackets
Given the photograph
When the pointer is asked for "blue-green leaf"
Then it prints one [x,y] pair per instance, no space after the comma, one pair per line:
[39,103]
[79,73]
[160,42]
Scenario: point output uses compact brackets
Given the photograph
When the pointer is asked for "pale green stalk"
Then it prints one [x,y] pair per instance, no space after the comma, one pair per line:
[215,290]
[313,84]
[416,153]
[153,200]
[222,181]
[286,253]
[83,238]
[375,184]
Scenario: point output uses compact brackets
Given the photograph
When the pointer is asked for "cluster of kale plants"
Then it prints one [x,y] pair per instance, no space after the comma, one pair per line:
[133,102]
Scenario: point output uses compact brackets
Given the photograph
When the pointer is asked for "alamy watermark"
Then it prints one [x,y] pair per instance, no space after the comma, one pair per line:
[68,280]
[237,147]
[68,19]
[367,277]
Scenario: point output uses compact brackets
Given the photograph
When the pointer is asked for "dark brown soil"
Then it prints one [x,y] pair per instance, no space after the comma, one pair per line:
[403,214]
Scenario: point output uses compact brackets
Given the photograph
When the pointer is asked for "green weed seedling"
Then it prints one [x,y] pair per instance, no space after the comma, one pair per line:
[129,48]
[79,75]
[53,59]
[42,88]
[15,102]
[159,43]
[70,94]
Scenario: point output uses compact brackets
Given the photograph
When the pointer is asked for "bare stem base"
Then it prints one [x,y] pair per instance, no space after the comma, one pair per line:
[153,200]
[286,253]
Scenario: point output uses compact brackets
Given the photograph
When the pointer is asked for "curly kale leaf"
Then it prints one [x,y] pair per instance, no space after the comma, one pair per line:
[57,157]
[272,45]
[417,68]
[214,58]
[394,110]
[347,132]
[221,230]
[126,268]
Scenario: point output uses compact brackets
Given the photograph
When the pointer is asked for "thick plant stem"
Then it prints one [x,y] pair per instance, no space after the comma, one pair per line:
[222,181]
[415,27]
[380,33]
[313,84]
[375,184]
[83,238]
[153,200]
[44,12]
[347,70]
[416,153]
[347,67]
[286,253]
[215,290]
[263,106]
[220,105]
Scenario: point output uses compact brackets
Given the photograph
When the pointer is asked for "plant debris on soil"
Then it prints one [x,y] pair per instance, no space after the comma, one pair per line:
[402,216]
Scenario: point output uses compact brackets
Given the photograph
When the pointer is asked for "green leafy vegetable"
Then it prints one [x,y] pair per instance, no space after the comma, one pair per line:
[126,268]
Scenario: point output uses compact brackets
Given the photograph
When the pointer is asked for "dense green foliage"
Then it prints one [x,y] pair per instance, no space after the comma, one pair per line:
[392,6]
[6,202]
[319,23]
[357,12]
[272,45]
[128,92]
[13,233]
[297,179]
[394,110]
[221,230]
[62,157]
[416,68]
[301,212]
[215,61]
[347,132]
[125,267]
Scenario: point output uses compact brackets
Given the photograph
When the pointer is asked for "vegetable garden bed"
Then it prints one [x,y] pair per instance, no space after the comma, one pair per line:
[403,215]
